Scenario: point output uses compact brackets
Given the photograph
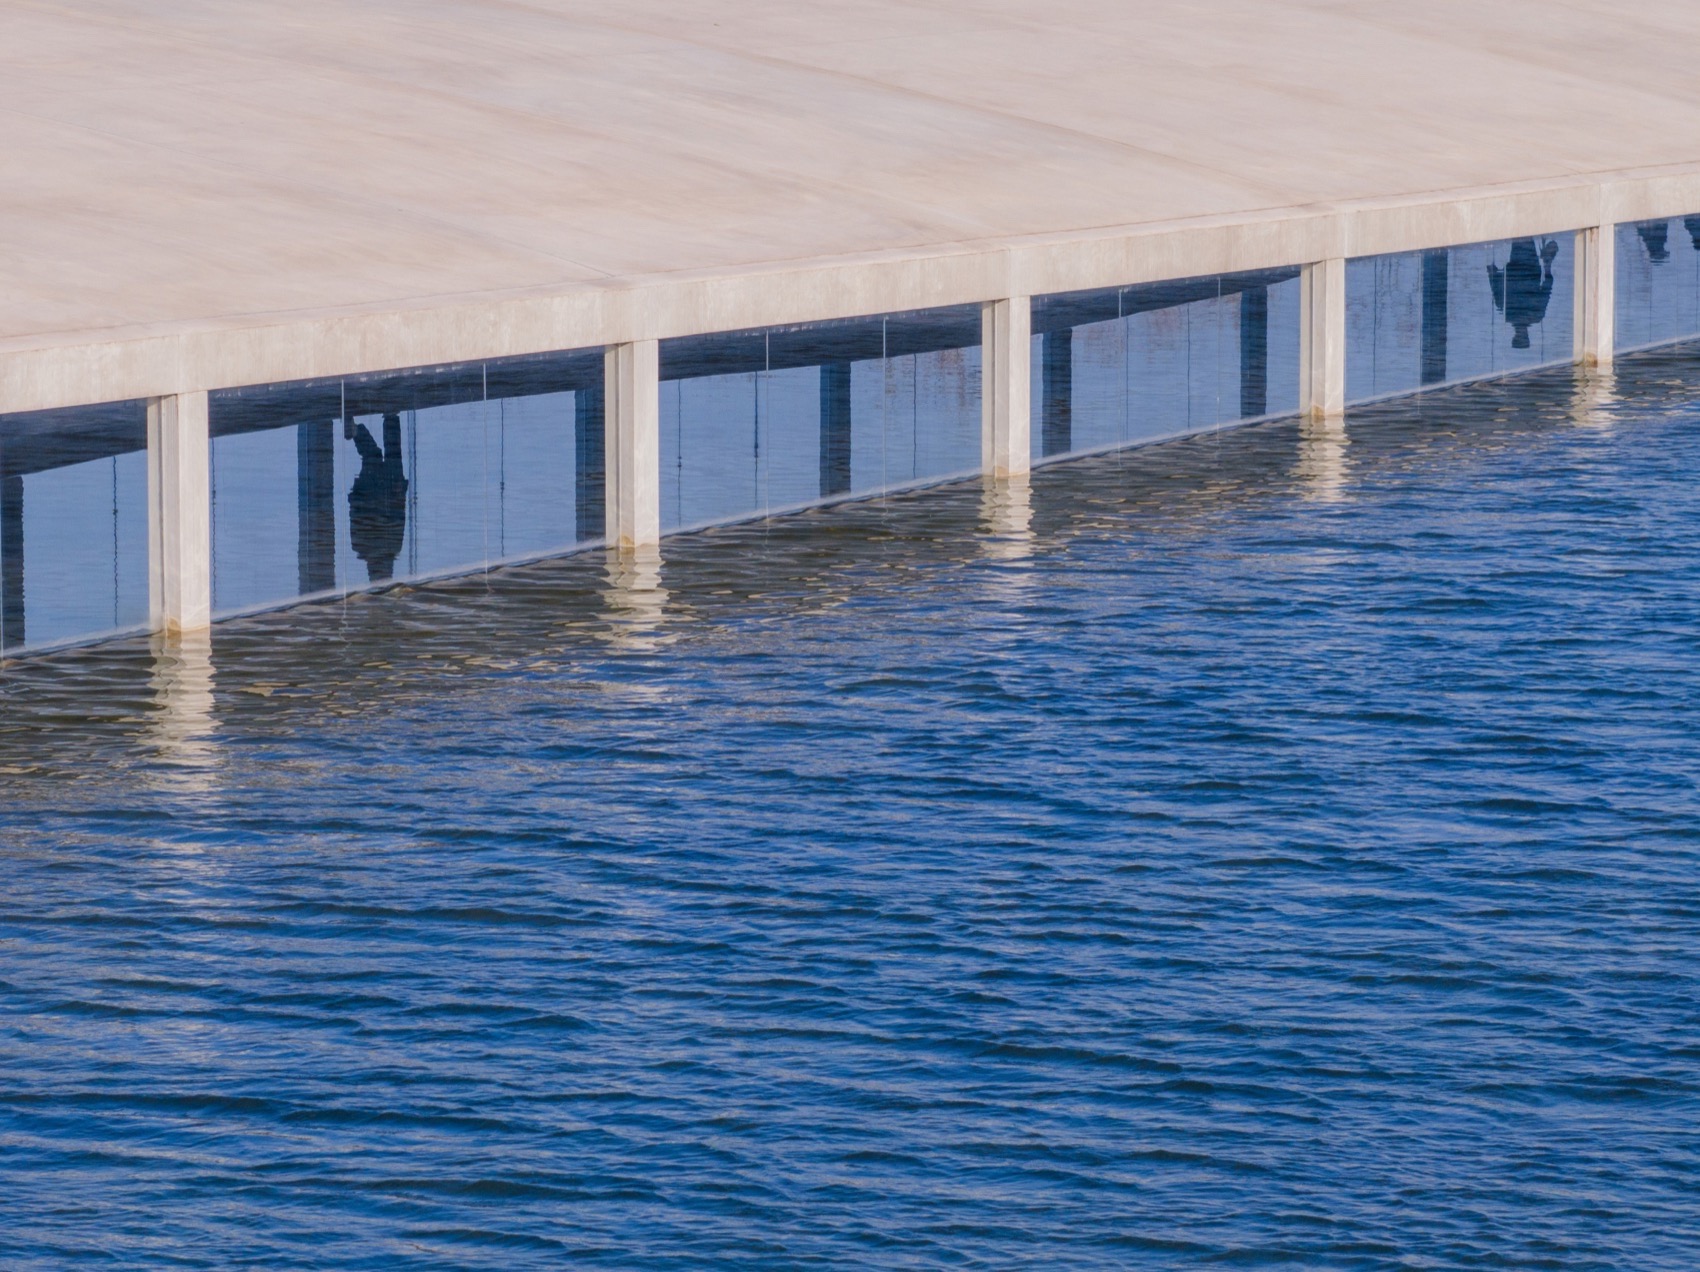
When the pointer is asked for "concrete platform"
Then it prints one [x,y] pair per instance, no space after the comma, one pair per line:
[206,193]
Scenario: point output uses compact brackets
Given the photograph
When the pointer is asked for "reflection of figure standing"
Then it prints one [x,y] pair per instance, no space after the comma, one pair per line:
[1692,225]
[377,502]
[1521,291]
[1655,237]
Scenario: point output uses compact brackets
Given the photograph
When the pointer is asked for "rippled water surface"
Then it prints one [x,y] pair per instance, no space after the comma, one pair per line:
[1271,848]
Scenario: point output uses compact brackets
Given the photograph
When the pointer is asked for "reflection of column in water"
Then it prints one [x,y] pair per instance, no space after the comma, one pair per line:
[590,464]
[635,603]
[1323,468]
[11,562]
[1006,516]
[184,722]
[834,429]
[315,501]
[1593,396]
[1254,352]
[1056,419]
[1436,279]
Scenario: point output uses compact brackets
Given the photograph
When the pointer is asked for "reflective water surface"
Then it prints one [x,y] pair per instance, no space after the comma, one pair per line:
[1277,847]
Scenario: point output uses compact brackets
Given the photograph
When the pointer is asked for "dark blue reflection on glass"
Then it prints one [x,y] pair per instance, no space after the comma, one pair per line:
[1658,282]
[336,485]
[1134,364]
[73,524]
[757,422]
[1417,319]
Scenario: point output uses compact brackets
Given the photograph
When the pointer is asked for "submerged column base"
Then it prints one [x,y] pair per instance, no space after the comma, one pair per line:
[1595,323]
[1322,339]
[633,446]
[179,513]
[1006,355]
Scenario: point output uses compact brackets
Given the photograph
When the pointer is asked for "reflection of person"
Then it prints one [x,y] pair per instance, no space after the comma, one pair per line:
[1655,237]
[1522,289]
[377,502]
[1692,225]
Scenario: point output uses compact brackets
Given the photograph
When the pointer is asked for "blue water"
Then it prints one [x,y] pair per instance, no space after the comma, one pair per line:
[1276,848]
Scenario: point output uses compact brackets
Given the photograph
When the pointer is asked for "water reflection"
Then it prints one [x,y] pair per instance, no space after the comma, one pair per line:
[184,722]
[1006,516]
[377,502]
[1595,395]
[634,602]
[1522,289]
[1323,467]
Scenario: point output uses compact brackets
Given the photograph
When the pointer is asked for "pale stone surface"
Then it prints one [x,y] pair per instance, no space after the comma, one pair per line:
[1006,358]
[203,193]
[1595,324]
[633,451]
[1322,339]
[179,514]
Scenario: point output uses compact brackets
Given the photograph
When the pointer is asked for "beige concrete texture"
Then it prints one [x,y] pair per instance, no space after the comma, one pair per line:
[200,193]
[632,491]
[1006,356]
[179,514]
[1322,339]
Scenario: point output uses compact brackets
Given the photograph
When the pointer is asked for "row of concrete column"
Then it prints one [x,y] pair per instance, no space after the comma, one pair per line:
[179,536]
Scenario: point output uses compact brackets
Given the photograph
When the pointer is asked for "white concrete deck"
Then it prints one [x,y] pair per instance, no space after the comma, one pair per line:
[201,193]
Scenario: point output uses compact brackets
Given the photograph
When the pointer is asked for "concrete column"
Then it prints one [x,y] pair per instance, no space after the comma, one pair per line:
[1006,355]
[1436,288]
[1056,379]
[1596,295]
[315,506]
[1322,339]
[590,467]
[834,429]
[633,377]
[179,513]
[11,562]
[1254,352]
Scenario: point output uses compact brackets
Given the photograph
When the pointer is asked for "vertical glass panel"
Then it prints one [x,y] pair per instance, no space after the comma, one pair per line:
[1415,319]
[73,525]
[1658,282]
[333,486]
[757,423]
[1136,364]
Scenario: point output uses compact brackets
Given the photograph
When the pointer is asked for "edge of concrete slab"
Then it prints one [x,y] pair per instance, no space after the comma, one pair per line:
[80,368]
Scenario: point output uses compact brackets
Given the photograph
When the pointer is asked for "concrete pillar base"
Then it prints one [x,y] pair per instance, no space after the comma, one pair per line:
[633,446]
[1595,322]
[1006,355]
[1322,339]
[179,514]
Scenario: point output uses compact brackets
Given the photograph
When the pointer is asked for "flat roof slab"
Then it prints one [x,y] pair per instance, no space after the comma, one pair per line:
[178,165]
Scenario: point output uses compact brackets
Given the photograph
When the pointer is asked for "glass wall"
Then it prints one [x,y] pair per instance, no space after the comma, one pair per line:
[1658,282]
[757,422]
[1134,364]
[73,525]
[334,486]
[1416,319]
